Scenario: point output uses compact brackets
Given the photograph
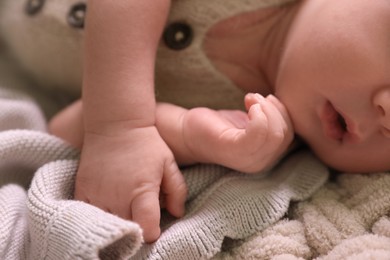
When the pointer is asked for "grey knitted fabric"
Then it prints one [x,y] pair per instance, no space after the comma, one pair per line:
[38,218]
[234,205]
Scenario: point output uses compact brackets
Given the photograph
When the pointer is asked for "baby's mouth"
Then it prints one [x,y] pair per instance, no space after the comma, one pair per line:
[342,122]
[333,123]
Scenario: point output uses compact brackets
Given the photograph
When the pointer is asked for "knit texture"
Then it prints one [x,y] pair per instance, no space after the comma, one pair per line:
[187,77]
[38,218]
[234,205]
[348,218]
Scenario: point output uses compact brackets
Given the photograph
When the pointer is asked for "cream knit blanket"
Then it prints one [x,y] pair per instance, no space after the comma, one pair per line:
[348,218]
[229,215]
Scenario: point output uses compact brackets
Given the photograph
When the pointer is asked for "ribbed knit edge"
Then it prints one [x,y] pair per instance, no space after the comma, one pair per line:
[85,232]
[308,174]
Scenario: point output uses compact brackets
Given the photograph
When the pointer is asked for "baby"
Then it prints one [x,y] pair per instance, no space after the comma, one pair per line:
[326,62]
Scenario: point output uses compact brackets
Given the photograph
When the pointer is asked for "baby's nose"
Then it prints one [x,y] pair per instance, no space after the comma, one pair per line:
[381,103]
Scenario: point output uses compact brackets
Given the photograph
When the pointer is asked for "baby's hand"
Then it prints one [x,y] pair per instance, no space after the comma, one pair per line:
[268,132]
[123,173]
[248,142]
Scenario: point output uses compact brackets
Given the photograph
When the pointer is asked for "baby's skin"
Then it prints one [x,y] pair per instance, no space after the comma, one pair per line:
[248,142]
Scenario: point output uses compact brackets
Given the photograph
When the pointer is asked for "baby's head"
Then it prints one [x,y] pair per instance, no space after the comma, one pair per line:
[334,79]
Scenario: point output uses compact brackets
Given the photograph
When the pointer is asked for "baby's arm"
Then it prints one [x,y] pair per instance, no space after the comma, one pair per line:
[248,142]
[124,161]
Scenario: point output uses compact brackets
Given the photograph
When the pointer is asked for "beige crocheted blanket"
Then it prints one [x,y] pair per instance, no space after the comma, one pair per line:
[291,212]
[348,218]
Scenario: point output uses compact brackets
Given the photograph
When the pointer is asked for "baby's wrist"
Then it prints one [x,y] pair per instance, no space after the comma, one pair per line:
[117,128]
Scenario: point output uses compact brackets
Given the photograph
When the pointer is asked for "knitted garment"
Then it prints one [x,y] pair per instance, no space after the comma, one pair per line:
[41,221]
[188,77]
[185,77]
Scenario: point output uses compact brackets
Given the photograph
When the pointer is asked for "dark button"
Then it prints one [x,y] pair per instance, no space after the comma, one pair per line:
[76,15]
[34,6]
[178,36]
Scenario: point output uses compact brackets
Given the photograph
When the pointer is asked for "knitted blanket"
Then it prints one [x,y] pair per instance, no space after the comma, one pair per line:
[228,214]
[348,218]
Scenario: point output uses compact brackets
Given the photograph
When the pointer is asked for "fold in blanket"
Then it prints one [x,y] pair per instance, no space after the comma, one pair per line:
[48,224]
[235,206]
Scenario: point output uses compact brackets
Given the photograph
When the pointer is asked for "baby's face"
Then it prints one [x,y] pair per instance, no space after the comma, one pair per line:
[335,81]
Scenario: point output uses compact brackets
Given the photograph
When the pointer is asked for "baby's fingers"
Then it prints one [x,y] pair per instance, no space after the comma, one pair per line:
[174,189]
[257,127]
[282,109]
[252,99]
[279,125]
[145,210]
